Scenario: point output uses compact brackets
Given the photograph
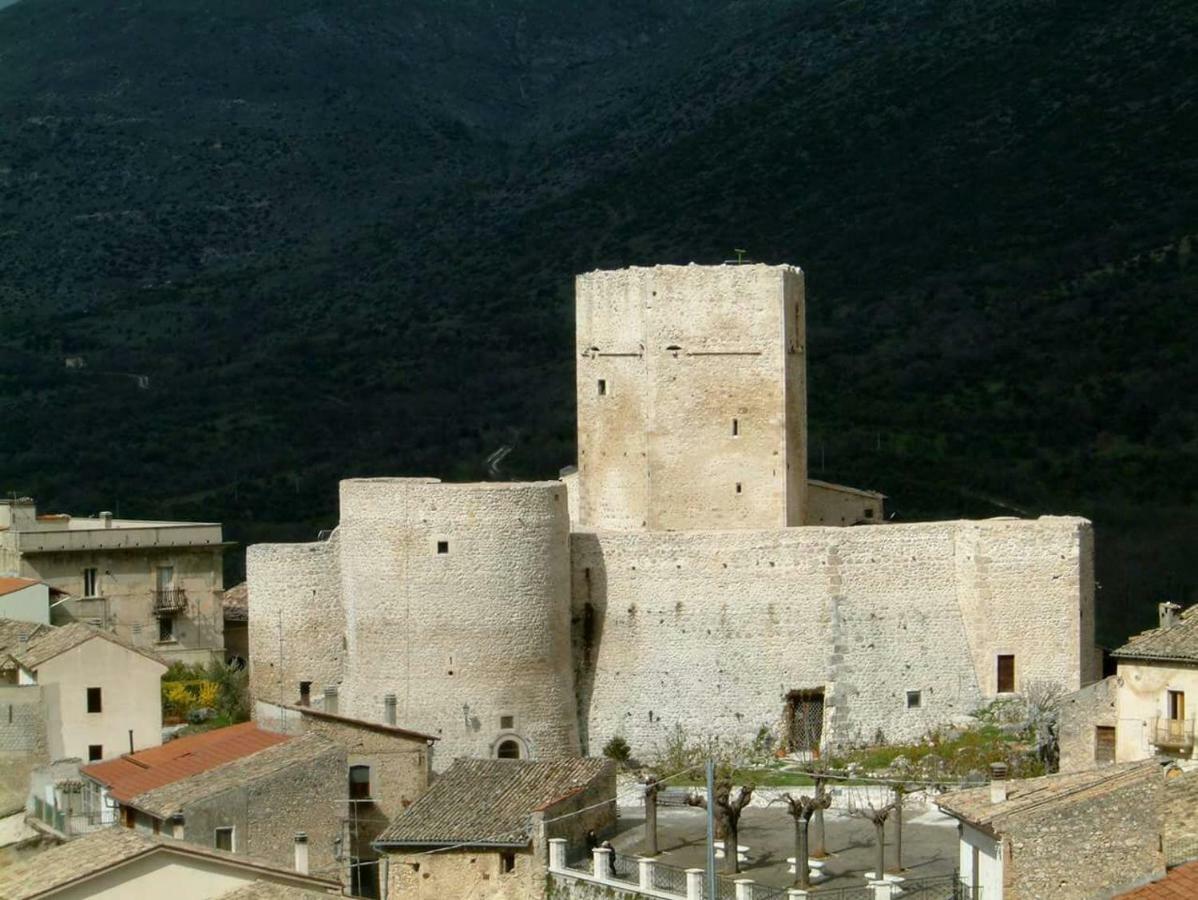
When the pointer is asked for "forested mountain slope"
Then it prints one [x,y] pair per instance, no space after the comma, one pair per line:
[340,238]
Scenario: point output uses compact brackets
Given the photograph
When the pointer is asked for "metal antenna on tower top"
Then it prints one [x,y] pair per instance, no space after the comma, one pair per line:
[740,256]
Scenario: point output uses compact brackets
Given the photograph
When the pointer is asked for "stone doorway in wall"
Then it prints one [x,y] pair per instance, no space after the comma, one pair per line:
[804,720]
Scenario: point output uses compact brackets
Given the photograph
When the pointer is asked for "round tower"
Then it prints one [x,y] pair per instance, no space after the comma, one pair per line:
[457,601]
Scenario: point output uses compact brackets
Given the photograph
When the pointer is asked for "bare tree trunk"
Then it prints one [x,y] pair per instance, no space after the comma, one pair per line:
[898,831]
[802,870]
[651,821]
[880,830]
[731,848]
[818,849]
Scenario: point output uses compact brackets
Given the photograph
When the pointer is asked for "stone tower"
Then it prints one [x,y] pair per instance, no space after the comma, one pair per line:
[692,398]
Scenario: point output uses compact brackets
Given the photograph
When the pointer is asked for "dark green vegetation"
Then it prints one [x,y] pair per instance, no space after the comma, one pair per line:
[339,239]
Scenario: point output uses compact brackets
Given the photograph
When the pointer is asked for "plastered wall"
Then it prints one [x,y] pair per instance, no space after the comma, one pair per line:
[457,601]
[711,630]
[691,385]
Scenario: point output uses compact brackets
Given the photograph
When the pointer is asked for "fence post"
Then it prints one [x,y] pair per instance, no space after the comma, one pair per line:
[884,890]
[694,884]
[644,872]
[796,894]
[600,865]
[557,854]
[744,889]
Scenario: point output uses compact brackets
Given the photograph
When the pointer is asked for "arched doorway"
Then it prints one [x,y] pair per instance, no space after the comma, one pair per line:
[508,749]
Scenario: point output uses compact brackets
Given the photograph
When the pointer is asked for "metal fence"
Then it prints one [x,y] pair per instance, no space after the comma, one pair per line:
[939,887]
[669,878]
[851,892]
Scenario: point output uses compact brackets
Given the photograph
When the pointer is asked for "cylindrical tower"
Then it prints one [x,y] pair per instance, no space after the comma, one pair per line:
[457,601]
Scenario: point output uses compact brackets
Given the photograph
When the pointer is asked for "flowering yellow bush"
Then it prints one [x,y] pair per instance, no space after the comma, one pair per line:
[177,697]
[207,695]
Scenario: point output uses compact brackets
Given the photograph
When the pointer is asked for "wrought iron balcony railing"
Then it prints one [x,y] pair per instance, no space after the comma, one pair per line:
[169,601]
[1173,733]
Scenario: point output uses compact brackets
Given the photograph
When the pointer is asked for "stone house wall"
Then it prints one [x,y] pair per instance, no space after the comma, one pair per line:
[266,813]
[575,816]
[1181,814]
[23,744]
[1095,847]
[470,874]
[1081,712]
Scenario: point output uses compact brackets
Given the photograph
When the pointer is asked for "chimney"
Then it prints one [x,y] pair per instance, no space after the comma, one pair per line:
[1168,614]
[301,852]
[998,782]
[107,517]
[330,699]
[23,638]
[389,708]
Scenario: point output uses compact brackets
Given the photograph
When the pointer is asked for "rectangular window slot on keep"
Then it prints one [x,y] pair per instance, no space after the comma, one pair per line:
[914,699]
[738,487]
[602,387]
[736,427]
[442,547]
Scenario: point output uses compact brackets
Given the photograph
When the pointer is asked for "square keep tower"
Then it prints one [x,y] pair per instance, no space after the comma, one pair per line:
[692,398]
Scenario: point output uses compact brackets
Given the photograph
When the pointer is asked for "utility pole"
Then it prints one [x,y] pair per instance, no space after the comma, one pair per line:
[712,891]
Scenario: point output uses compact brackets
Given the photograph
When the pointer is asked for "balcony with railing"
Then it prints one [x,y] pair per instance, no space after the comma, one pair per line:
[1173,734]
[168,601]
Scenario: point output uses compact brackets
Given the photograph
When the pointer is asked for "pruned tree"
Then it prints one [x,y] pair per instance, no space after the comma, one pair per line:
[652,786]
[801,809]
[727,813]
[900,792]
[878,817]
[819,848]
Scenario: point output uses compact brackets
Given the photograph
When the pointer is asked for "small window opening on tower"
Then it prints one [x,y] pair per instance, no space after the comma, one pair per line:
[305,693]
[914,699]
[736,427]
[602,387]
[738,487]
[442,547]
[508,750]
[507,723]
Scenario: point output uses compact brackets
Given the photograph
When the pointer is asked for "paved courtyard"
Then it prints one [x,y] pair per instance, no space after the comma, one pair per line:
[929,843]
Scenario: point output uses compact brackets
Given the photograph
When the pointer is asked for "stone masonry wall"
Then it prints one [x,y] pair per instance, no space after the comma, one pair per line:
[711,630]
[668,359]
[1080,713]
[308,796]
[297,624]
[1105,842]
[457,600]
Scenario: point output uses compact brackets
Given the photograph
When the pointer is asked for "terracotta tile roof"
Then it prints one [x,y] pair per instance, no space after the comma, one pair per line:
[1029,795]
[137,773]
[60,866]
[51,641]
[9,585]
[488,802]
[163,802]
[1180,884]
[1178,642]
[236,603]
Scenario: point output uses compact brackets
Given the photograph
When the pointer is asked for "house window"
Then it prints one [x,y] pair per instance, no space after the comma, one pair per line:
[507,862]
[89,583]
[914,699]
[1006,673]
[94,702]
[359,782]
[508,750]
[736,427]
[507,723]
[305,693]
[602,387]
[442,547]
[869,512]
[1177,705]
[223,839]
[166,628]
[95,752]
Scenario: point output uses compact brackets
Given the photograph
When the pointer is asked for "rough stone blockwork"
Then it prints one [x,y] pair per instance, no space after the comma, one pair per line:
[713,630]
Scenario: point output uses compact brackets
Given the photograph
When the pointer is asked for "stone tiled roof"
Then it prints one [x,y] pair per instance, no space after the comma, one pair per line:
[266,890]
[11,631]
[48,642]
[1032,795]
[172,798]
[236,603]
[1178,642]
[140,772]
[68,863]
[489,801]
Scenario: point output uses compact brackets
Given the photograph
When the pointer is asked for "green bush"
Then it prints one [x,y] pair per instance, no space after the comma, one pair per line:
[617,748]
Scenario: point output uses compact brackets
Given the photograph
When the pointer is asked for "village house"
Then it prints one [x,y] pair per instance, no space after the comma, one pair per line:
[1070,836]
[240,789]
[96,694]
[482,830]
[389,768]
[1141,711]
[235,607]
[25,600]
[118,863]
[154,584]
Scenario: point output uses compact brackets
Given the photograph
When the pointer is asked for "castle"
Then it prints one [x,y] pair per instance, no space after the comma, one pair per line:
[687,572]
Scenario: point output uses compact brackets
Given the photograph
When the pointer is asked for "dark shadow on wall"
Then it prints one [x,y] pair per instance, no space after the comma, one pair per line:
[589,609]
